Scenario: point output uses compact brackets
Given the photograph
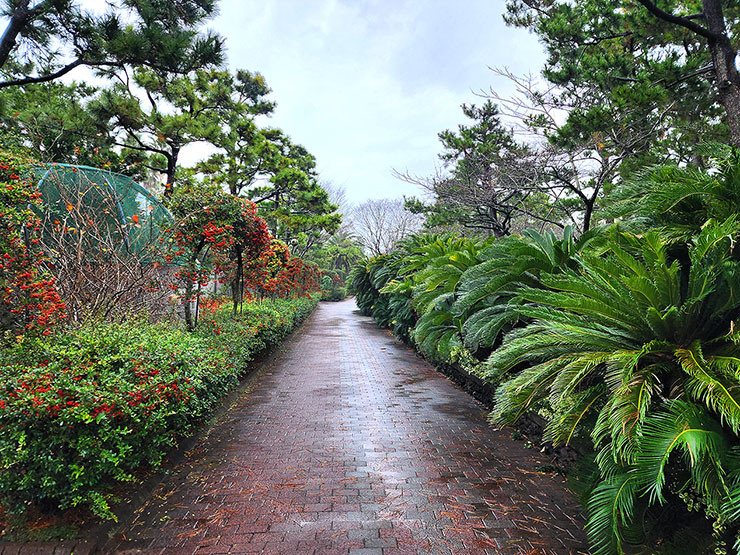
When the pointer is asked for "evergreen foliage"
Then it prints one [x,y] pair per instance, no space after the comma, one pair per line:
[624,339]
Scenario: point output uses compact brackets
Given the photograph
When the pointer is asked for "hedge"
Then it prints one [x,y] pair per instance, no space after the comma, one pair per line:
[85,408]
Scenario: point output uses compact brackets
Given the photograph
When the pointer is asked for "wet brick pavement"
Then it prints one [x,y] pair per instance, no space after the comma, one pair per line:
[349,443]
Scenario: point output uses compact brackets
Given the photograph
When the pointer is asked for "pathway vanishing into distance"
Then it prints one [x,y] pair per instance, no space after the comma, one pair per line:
[349,443]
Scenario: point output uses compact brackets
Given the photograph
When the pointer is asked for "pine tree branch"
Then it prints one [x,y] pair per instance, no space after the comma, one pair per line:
[678,20]
[155,169]
[50,77]
[142,148]
[597,40]
[700,71]
[20,18]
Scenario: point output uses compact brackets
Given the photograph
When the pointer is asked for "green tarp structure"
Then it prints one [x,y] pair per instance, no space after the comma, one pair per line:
[118,209]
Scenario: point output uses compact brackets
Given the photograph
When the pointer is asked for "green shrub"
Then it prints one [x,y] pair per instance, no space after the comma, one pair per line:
[332,286]
[258,326]
[334,295]
[87,407]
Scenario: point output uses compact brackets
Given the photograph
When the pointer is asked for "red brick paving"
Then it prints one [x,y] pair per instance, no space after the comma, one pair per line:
[351,444]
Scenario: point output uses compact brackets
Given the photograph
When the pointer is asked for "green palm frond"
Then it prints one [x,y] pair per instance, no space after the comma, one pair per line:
[706,383]
[435,290]
[485,325]
[687,427]
[678,200]
[435,334]
[640,350]
[506,267]
[526,390]
[566,421]
[611,507]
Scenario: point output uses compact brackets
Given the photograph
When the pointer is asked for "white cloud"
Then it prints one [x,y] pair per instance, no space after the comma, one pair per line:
[366,85]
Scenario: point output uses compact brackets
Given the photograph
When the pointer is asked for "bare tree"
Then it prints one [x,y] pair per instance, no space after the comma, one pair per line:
[381,223]
[571,173]
[338,196]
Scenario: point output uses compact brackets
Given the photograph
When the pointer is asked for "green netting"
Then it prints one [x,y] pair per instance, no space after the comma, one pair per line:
[112,208]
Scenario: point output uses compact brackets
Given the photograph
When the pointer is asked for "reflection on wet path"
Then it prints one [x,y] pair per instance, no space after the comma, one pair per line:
[350,443]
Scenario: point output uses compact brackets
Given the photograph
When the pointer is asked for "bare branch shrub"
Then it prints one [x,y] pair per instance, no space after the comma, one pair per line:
[105,264]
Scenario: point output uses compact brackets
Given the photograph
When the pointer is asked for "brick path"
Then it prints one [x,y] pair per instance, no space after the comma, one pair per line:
[349,443]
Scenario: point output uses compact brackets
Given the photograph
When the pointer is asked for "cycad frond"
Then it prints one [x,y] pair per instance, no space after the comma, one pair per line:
[645,343]
[506,267]
[571,416]
[484,326]
[707,384]
[611,508]
[678,200]
[683,426]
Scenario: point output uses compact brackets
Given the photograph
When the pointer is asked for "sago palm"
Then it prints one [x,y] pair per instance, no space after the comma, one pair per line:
[678,200]
[642,352]
[487,289]
[383,285]
[361,285]
[436,271]
[396,281]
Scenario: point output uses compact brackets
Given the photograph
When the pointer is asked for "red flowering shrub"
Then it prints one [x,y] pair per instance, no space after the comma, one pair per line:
[275,273]
[250,230]
[251,237]
[301,278]
[87,407]
[97,402]
[28,300]
[214,231]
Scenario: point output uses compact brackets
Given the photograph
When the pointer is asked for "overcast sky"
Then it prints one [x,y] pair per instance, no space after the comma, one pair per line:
[366,85]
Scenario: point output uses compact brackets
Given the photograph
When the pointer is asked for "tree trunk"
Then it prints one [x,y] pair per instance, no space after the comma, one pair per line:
[725,72]
[189,285]
[188,311]
[237,286]
[588,214]
[171,168]
[18,21]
